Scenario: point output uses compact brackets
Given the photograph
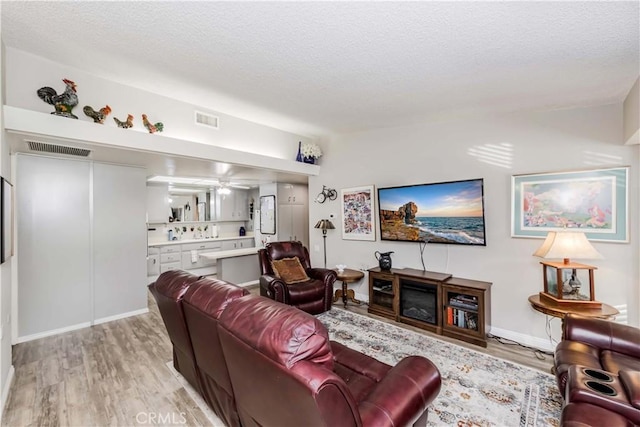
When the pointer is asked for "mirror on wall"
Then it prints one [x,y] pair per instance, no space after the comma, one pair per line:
[268,214]
[192,207]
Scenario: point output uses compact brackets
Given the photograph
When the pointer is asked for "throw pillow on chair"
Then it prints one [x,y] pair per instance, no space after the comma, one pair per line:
[290,270]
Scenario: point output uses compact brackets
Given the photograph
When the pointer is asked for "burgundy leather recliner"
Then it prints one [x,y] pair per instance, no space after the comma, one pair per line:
[168,291]
[204,302]
[285,372]
[601,346]
[313,296]
[598,344]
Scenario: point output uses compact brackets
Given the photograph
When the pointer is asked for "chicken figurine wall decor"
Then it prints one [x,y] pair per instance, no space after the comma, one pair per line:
[97,116]
[64,102]
[126,124]
[152,127]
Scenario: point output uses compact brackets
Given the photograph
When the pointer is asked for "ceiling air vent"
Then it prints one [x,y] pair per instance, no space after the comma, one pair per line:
[58,149]
[209,120]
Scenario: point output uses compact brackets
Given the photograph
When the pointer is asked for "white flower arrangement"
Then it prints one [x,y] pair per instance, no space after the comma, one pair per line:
[309,149]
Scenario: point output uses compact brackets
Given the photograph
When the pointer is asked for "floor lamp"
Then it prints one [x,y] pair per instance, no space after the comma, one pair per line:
[324,225]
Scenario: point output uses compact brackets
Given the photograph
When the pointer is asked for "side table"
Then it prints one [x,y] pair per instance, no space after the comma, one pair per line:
[347,276]
[556,310]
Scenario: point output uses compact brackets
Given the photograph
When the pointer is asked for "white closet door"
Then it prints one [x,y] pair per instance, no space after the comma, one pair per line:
[54,237]
[119,240]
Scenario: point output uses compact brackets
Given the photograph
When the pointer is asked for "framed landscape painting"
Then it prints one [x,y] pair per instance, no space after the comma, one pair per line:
[593,201]
[358,220]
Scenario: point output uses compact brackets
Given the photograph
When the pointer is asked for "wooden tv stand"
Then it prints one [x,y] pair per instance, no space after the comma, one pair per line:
[437,302]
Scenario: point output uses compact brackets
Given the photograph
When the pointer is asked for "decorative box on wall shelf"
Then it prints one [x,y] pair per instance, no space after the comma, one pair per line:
[437,302]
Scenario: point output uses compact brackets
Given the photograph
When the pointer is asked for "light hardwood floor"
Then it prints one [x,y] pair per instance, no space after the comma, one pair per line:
[115,374]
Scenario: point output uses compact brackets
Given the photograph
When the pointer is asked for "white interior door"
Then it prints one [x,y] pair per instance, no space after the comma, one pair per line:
[119,240]
[54,234]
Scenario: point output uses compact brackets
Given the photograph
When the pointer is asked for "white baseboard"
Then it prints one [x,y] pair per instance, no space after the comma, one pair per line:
[528,340]
[45,334]
[6,389]
[120,316]
[52,332]
[247,284]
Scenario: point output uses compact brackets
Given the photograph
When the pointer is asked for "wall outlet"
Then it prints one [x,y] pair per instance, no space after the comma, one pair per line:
[316,248]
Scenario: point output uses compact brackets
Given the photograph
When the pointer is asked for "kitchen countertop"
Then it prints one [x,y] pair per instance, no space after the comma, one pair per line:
[218,239]
[230,253]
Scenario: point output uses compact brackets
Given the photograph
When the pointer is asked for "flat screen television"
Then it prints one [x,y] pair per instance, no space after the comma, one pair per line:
[442,212]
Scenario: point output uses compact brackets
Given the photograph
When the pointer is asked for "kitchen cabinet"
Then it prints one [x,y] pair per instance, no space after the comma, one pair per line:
[180,257]
[153,262]
[292,215]
[293,223]
[292,194]
[233,206]
[229,245]
[188,262]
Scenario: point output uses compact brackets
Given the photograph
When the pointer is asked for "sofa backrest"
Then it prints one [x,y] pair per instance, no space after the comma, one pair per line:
[281,366]
[168,291]
[203,303]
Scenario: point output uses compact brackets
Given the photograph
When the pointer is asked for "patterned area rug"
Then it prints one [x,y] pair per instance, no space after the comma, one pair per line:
[477,389]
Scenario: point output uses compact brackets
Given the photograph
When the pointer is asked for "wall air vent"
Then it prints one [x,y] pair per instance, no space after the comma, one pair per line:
[57,149]
[208,120]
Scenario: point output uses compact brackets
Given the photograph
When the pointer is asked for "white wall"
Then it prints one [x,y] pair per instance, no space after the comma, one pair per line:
[6,368]
[447,151]
[632,115]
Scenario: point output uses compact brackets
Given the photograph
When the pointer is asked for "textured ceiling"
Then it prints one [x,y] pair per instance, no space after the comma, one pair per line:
[330,67]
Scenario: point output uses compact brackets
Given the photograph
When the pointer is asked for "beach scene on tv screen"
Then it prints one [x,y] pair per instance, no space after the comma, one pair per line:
[450,212]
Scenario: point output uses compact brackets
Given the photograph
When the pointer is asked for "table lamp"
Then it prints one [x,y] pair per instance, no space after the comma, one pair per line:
[324,225]
[562,284]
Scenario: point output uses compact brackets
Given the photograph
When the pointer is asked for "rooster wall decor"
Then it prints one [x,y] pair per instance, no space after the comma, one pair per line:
[126,124]
[64,102]
[152,127]
[97,116]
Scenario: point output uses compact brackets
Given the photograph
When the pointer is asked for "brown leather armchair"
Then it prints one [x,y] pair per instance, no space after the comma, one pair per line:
[313,296]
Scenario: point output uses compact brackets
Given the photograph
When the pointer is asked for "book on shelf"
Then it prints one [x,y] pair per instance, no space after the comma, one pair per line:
[462,318]
[463,303]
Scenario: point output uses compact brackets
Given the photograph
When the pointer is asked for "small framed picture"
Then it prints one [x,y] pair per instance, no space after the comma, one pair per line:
[358,213]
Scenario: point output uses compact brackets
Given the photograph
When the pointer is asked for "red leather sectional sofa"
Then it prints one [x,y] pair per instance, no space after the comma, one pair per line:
[258,362]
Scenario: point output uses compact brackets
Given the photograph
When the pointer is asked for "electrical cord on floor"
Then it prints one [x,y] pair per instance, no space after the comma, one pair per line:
[539,354]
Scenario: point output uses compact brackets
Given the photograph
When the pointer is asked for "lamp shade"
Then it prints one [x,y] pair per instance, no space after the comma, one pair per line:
[324,224]
[565,245]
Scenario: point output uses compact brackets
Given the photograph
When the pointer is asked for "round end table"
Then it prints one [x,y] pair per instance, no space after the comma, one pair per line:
[347,276]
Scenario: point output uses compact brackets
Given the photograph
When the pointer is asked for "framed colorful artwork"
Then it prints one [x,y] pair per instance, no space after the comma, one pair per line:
[593,201]
[358,220]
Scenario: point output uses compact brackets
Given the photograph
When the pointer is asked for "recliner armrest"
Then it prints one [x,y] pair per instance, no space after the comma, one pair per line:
[602,334]
[323,274]
[274,287]
[403,394]
[631,383]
